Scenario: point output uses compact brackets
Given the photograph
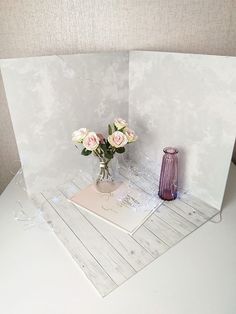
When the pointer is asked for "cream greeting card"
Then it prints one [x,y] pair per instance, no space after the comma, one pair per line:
[126,208]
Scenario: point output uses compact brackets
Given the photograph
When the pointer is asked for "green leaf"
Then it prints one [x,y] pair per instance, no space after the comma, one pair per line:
[115,127]
[120,150]
[103,147]
[108,156]
[108,145]
[86,152]
[109,129]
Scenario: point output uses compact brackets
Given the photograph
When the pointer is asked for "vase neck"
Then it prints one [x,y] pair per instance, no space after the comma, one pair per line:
[104,162]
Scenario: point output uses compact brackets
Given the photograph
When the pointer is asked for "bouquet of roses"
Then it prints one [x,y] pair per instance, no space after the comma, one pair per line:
[119,134]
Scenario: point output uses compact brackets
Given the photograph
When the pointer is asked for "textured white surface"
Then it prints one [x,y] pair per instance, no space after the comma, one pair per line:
[181,100]
[34,28]
[186,101]
[196,276]
[107,255]
[50,97]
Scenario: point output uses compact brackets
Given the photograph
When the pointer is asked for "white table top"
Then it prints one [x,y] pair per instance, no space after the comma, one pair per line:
[38,276]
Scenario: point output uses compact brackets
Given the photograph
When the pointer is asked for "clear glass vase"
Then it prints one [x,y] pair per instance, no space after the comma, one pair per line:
[169,175]
[105,182]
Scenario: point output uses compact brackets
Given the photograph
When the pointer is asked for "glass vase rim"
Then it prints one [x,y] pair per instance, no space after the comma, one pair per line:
[170,150]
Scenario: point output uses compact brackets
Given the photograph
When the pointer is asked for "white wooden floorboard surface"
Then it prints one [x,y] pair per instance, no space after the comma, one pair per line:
[163,231]
[199,205]
[136,255]
[108,256]
[199,272]
[150,241]
[87,262]
[187,211]
[175,220]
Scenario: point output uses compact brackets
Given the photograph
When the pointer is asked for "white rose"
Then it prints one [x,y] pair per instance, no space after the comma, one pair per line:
[91,141]
[130,134]
[117,139]
[79,135]
[120,123]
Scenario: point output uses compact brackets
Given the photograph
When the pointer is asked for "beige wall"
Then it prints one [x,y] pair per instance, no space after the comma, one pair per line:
[33,28]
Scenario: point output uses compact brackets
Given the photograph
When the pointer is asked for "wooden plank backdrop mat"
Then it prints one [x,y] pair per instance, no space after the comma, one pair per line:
[109,256]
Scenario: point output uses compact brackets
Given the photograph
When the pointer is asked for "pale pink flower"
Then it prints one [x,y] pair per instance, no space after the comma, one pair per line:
[79,135]
[120,123]
[117,139]
[91,141]
[130,134]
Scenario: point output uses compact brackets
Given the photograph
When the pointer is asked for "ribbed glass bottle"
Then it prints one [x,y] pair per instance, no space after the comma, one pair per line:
[169,174]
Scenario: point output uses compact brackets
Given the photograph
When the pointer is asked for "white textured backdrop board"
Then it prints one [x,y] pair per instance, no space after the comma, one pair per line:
[184,100]
[49,97]
[187,101]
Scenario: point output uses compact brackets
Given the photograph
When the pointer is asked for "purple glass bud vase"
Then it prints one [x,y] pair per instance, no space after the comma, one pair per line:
[169,174]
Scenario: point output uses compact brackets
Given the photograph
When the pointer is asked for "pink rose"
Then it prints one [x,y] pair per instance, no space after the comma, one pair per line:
[117,139]
[91,141]
[79,135]
[130,134]
[120,123]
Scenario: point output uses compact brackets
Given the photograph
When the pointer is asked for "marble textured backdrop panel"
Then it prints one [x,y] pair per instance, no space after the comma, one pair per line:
[187,101]
[49,97]
[181,100]
[35,28]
